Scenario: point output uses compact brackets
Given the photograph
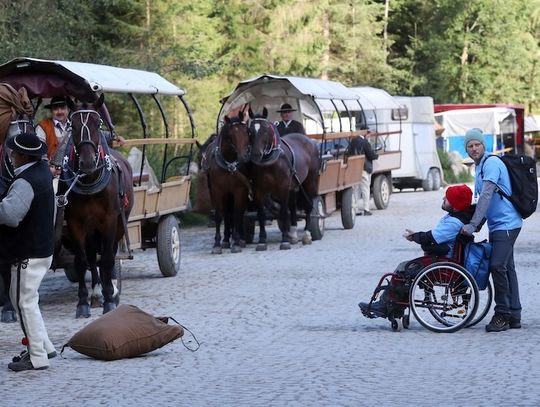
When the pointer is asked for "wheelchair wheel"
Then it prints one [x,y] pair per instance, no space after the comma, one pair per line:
[443,297]
[485,297]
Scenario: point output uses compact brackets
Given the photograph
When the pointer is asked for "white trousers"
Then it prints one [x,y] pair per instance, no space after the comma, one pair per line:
[24,295]
[364,189]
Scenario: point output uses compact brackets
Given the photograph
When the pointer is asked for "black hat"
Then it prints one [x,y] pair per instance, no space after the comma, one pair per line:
[27,143]
[285,107]
[57,101]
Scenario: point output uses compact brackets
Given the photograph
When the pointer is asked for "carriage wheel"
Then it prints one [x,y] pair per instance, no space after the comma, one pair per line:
[316,220]
[168,246]
[348,208]
[71,273]
[249,230]
[382,189]
[444,297]
[485,297]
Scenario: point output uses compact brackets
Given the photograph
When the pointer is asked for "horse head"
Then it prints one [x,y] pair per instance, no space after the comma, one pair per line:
[86,135]
[265,140]
[234,140]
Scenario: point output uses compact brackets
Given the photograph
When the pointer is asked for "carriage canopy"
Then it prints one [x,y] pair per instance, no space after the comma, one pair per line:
[44,78]
[322,106]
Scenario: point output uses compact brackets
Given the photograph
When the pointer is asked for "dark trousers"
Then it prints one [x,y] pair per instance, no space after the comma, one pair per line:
[503,273]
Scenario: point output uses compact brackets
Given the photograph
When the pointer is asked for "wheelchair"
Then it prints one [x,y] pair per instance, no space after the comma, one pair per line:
[438,290]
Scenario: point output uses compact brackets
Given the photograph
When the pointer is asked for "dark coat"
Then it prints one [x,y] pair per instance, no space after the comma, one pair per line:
[359,145]
[293,127]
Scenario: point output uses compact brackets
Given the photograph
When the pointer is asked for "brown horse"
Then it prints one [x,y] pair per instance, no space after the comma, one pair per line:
[286,168]
[100,187]
[225,159]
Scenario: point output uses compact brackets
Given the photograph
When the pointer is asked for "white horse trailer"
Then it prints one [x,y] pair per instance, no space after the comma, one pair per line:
[420,164]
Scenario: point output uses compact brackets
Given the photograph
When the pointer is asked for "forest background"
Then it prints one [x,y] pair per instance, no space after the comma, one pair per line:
[457,51]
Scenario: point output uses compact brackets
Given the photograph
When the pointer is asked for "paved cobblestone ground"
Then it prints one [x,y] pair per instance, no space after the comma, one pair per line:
[282,328]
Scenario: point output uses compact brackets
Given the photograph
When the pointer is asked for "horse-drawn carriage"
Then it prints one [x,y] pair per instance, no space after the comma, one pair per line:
[133,97]
[331,114]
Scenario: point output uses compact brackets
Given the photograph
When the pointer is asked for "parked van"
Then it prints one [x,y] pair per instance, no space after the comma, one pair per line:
[420,164]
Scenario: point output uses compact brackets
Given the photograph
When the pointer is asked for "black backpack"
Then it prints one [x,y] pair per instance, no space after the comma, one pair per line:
[522,171]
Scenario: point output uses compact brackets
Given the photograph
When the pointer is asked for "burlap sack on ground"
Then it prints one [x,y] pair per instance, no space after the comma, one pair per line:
[123,333]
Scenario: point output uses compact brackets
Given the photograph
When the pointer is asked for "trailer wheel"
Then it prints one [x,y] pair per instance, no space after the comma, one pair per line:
[429,182]
[382,189]
[436,179]
[168,246]
[316,220]
[348,208]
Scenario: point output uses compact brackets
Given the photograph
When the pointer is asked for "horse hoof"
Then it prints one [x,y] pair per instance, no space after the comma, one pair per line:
[242,244]
[9,316]
[236,249]
[285,246]
[108,306]
[293,240]
[217,250]
[83,311]
[95,302]
[261,247]
[226,245]
[306,240]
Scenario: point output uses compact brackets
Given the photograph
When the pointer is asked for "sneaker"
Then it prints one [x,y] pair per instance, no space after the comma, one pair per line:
[24,364]
[514,323]
[498,323]
[25,355]
[375,310]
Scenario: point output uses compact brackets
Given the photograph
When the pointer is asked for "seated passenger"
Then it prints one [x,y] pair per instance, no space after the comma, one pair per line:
[439,241]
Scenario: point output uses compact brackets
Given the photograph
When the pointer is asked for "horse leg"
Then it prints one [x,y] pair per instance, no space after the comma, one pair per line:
[8,312]
[80,264]
[96,298]
[261,218]
[293,234]
[217,237]
[286,222]
[227,227]
[106,266]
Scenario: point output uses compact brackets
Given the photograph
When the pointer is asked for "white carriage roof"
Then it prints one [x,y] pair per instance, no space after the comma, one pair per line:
[374,99]
[291,86]
[99,78]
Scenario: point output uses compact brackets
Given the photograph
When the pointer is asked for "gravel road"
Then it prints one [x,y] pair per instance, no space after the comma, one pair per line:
[282,328]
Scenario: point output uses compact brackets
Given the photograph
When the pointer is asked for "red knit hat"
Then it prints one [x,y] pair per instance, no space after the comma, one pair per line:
[459,196]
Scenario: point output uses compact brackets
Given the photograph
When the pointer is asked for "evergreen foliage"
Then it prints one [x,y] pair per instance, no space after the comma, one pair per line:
[481,51]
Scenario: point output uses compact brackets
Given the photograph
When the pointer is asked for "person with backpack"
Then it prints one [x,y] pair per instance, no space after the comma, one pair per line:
[492,188]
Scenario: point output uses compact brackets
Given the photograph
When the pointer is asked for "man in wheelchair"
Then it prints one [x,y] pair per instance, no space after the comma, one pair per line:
[440,241]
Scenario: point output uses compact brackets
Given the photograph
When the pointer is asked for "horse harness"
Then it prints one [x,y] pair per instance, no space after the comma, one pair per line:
[230,166]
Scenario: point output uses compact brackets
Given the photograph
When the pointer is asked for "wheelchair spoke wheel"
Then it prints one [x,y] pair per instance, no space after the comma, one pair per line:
[485,298]
[443,297]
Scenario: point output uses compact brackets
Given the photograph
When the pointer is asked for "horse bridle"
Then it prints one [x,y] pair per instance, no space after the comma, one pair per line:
[231,166]
[272,149]
[85,135]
